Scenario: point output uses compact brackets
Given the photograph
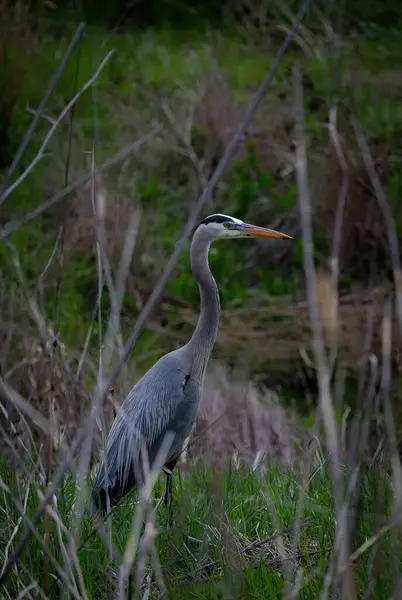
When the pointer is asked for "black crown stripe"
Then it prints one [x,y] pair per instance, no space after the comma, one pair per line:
[216,219]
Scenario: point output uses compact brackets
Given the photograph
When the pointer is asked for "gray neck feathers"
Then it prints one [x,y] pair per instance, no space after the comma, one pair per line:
[204,336]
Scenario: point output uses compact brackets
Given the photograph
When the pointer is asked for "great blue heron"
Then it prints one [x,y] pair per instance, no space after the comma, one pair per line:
[166,398]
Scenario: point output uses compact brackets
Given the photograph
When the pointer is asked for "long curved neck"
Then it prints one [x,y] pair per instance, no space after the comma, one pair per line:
[204,336]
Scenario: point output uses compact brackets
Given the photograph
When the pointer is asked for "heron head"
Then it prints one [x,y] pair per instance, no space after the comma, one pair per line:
[223,226]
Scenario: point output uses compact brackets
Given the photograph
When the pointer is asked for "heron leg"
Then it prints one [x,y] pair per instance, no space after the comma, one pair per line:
[168,495]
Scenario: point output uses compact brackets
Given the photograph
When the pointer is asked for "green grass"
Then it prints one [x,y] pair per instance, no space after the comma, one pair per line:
[224,540]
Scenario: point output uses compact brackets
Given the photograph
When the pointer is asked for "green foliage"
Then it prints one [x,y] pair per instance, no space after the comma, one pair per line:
[147,65]
[243,193]
[216,518]
[251,184]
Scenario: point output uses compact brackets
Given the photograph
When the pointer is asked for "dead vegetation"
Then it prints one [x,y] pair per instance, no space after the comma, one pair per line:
[240,418]
[278,332]
[37,366]
[239,422]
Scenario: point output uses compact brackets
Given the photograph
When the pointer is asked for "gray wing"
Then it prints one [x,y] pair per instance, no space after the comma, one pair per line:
[164,399]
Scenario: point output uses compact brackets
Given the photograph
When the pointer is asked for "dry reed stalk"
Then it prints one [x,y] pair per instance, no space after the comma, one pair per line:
[388,219]
[343,569]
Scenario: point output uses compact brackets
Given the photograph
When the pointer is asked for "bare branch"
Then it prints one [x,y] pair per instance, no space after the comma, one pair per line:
[386,389]
[8,229]
[388,218]
[371,541]
[336,240]
[185,138]
[327,408]
[14,397]
[64,112]
[39,112]
[343,192]
[323,372]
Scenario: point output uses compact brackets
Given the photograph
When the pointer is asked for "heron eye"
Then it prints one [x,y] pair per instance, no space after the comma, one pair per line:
[227,224]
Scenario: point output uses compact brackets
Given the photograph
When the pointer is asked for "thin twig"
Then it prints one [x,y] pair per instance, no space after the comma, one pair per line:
[121,282]
[51,490]
[371,541]
[25,407]
[188,149]
[386,381]
[59,278]
[343,192]
[150,477]
[12,226]
[71,556]
[390,224]
[336,240]
[31,527]
[39,112]
[327,408]
[99,209]
[323,373]
[41,152]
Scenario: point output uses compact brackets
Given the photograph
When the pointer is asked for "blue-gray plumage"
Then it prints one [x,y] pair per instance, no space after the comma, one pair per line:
[167,397]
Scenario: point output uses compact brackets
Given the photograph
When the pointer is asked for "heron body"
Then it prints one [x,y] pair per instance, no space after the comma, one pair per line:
[167,397]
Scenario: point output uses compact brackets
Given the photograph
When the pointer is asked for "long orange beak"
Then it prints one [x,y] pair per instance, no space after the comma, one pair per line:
[261,232]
